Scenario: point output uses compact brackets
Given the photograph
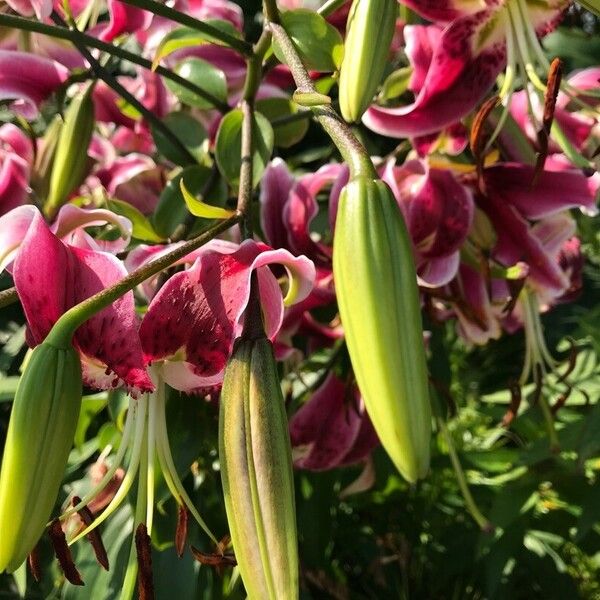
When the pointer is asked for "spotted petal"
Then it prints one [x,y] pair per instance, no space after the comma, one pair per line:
[197,314]
[51,277]
[29,79]
[464,66]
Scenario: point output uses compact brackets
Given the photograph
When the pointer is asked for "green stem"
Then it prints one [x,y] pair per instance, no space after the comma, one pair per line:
[65,327]
[472,507]
[8,297]
[112,82]
[74,36]
[251,84]
[352,151]
[163,10]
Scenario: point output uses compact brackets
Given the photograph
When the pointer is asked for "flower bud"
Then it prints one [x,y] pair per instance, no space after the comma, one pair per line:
[40,435]
[71,159]
[378,299]
[256,467]
[371,25]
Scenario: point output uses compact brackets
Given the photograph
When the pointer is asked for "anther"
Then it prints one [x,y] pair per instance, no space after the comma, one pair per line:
[182,528]
[93,536]
[33,560]
[144,559]
[63,553]
[515,403]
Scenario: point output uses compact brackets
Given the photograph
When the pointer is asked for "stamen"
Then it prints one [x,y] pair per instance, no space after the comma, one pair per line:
[477,139]
[132,469]
[515,403]
[560,402]
[63,553]
[543,134]
[168,466]
[572,361]
[216,560]
[94,537]
[113,469]
[33,560]
[181,531]
[150,462]
[144,559]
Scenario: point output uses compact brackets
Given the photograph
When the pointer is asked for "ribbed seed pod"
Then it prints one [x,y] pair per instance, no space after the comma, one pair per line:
[40,435]
[378,299]
[71,159]
[370,30]
[256,468]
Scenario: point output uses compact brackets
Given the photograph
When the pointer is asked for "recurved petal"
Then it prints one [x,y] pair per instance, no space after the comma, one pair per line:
[51,277]
[464,66]
[124,19]
[29,79]
[325,429]
[549,193]
[275,188]
[197,314]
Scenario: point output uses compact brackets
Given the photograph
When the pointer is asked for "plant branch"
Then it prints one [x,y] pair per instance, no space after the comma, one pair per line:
[65,327]
[350,148]
[251,84]
[75,36]
[112,82]
[330,7]
[163,10]
[8,297]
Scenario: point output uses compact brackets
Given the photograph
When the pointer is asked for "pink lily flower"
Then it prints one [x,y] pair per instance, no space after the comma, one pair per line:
[51,277]
[135,179]
[194,319]
[28,80]
[69,226]
[438,211]
[16,156]
[478,41]
[124,19]
[40,8]
[332,429]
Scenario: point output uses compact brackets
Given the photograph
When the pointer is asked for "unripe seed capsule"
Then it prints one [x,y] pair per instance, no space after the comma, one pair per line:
[40,435]
[378,300]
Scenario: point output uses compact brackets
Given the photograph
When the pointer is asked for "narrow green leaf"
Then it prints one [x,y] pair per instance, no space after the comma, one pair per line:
[142,228]
[199,208]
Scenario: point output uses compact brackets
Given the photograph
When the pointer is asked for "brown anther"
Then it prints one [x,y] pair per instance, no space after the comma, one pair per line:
[560,402]
[144,559]
[63,553]
[182,529]
[515,403]
[477,138]
[223,544]
[93,536]
[514,286]
[550,96]
[572,361]
[33,560]
[219,561]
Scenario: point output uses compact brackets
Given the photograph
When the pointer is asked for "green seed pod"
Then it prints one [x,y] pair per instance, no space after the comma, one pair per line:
[256,469]
[71,160]
[378,299]
[371,25]
[40,435]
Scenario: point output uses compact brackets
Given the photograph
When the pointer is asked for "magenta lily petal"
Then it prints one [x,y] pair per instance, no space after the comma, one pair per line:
[460,75]
[438,272]
[51,277]
[197,314]
[135,179]
[301,208]
[27,8]
[28,78]
[516,242]
[124,19]
[421,41]
[323,432]
[72,219]
[477,321]
[13,228]
[14,182]
[553,191]
[277,182]
[14,139]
